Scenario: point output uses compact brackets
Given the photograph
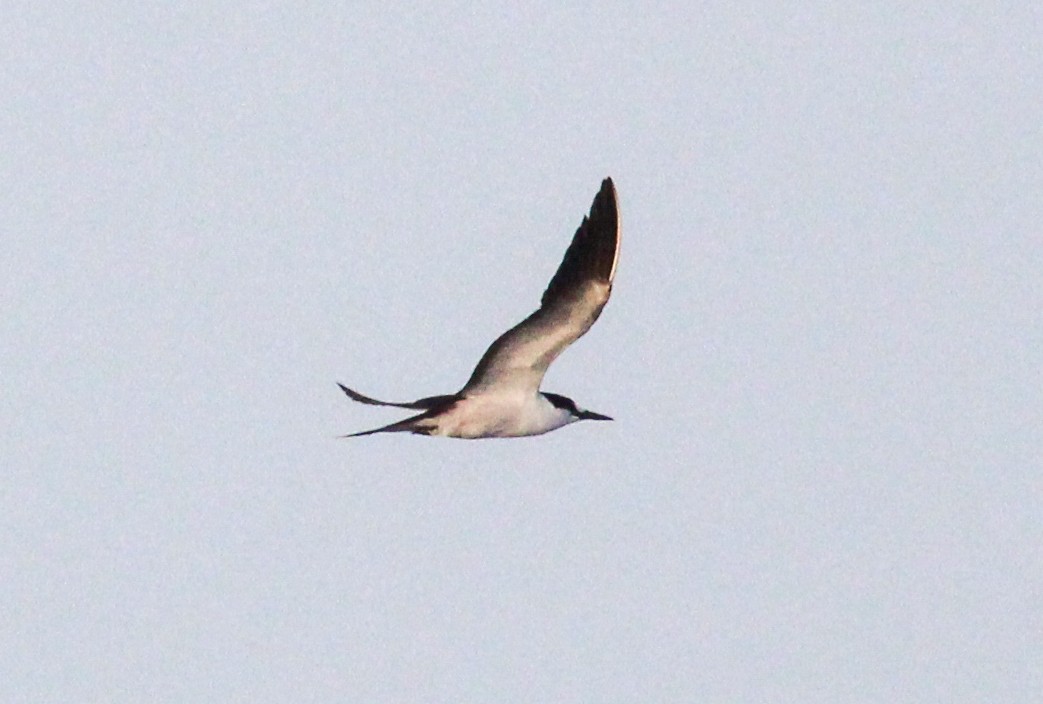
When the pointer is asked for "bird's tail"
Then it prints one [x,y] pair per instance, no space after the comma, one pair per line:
[423,403]
[409,425]
[420,424]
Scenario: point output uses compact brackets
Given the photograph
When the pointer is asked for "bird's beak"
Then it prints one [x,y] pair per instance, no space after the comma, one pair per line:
[591,415]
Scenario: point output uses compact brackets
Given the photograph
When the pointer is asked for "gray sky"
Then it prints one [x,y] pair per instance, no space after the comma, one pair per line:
[823,353]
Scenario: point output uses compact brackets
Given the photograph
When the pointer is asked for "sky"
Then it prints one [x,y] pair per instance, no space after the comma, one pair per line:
[824,352]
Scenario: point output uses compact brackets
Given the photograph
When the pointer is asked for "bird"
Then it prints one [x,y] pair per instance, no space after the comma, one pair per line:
[502,397]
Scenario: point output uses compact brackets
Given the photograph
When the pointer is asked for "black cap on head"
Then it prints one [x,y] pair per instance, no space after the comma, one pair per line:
[566,403]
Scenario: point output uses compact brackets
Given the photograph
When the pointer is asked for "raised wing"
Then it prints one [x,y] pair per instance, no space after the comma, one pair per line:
[572,302]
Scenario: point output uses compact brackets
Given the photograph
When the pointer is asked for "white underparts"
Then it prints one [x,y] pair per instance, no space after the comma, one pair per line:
[500,416]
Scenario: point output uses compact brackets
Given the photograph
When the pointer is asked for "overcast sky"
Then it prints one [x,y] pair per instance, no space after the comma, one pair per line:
[824,352]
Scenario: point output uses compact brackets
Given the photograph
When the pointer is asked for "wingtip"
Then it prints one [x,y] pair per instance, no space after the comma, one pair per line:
[606,201]
[606,210]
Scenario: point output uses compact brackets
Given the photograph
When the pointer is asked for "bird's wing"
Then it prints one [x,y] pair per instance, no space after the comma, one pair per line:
[572,302]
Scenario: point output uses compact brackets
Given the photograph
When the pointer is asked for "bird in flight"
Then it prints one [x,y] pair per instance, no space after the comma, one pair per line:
[502,399]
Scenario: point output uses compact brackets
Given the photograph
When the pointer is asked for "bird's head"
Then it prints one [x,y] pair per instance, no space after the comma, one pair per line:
[567,404]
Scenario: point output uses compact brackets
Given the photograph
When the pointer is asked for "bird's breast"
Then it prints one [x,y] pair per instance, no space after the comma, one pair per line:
[499,416]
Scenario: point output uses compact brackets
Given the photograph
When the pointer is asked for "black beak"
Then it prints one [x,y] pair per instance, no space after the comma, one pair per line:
[591,415]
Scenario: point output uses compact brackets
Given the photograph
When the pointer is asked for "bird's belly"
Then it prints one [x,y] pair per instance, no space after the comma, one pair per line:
[491,418]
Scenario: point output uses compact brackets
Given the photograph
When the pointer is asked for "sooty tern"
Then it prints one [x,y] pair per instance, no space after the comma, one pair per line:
[502,399]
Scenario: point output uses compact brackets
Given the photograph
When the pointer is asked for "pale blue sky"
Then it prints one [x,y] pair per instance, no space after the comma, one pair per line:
[823,352]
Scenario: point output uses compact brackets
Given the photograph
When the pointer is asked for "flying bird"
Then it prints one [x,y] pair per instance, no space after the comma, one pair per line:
[502,399]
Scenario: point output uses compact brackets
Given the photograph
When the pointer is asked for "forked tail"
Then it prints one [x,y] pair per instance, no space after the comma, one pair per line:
[409,425]
[418,424]
[421,404]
